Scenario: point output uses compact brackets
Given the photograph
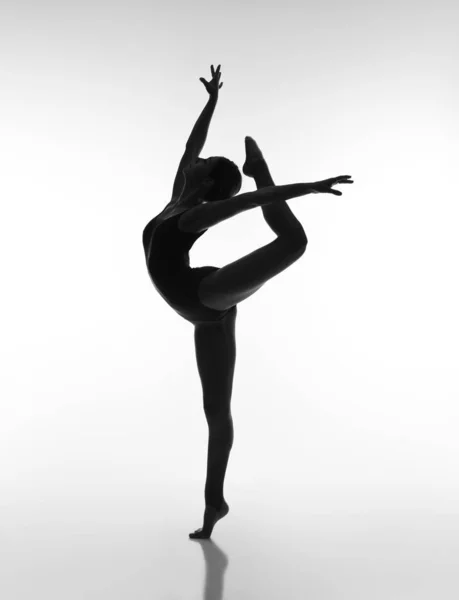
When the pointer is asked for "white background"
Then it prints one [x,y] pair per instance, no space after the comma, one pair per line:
[346,389]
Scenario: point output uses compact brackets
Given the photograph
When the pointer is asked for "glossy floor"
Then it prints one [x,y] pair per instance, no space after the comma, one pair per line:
[134,545]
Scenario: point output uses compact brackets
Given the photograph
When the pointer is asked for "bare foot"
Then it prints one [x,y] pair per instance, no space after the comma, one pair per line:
[254,157]
[211,516]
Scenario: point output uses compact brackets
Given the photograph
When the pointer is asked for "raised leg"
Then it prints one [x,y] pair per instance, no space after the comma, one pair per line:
[238,280]
[279,216]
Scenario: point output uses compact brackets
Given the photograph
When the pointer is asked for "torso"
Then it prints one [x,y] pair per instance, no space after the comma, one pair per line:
[168,264]
[174,208]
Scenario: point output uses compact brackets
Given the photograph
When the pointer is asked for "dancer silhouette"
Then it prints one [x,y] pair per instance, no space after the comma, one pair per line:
[205,194]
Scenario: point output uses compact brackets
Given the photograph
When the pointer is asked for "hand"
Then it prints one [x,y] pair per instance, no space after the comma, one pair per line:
[212,86]
[325,186]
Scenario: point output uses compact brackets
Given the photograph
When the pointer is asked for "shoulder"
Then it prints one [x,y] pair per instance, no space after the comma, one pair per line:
[148,230]
[150,225]
[167,212]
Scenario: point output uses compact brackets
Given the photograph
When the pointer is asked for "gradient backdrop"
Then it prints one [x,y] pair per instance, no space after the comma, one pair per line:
[346,394]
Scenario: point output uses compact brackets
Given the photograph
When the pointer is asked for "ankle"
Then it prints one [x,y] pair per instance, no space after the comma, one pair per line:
[258,164]
[262,175]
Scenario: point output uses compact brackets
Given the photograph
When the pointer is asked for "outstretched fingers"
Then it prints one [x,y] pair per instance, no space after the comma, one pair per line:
[339,180]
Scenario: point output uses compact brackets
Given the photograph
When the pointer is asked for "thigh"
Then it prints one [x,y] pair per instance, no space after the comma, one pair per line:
[215,346]
[242,278]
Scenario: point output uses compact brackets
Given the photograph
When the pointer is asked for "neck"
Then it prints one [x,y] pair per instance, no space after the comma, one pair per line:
[180,204]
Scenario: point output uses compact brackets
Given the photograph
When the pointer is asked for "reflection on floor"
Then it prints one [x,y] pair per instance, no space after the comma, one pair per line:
[108,548]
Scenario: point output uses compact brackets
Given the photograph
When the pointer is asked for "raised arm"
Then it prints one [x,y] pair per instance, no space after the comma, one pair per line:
[198,135]
[207,215]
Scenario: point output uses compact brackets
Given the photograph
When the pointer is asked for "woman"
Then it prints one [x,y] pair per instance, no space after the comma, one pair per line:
[204,194]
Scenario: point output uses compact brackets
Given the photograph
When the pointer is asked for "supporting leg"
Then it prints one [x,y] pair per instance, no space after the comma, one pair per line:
[215,346]
[221,436]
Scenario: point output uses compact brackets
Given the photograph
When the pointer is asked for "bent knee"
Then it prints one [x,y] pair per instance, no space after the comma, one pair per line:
[217,295]
[298,240]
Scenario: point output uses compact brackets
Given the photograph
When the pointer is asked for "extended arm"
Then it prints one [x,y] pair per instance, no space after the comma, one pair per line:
[207,215]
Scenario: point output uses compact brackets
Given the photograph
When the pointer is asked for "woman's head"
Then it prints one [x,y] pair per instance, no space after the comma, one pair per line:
[226,177]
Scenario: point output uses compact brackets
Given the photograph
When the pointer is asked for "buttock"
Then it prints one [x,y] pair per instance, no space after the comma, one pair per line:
[204,313]
[180,291]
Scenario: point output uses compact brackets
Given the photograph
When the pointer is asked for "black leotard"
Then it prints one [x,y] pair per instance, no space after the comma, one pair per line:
[168,263]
